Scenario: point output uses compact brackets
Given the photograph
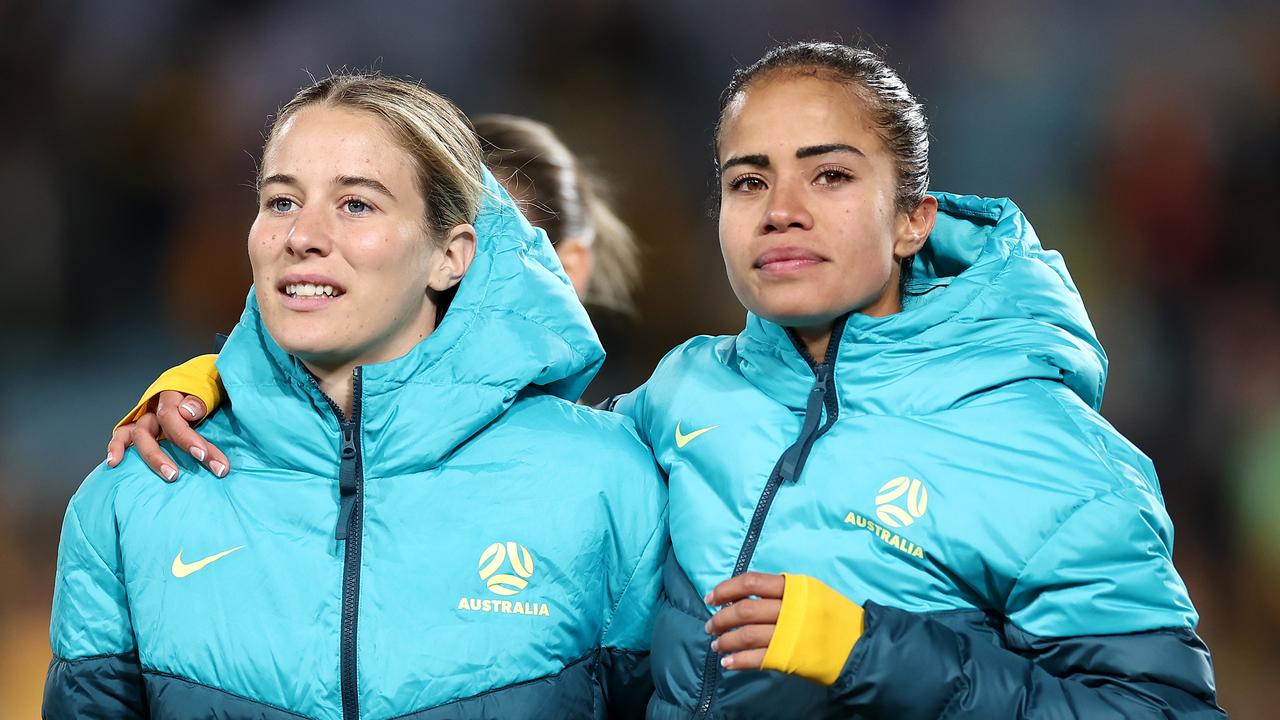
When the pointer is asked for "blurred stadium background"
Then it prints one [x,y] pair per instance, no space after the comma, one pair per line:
[1142,139]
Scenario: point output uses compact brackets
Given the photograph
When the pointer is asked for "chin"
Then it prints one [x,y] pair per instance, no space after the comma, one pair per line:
[304,338]
[794,309]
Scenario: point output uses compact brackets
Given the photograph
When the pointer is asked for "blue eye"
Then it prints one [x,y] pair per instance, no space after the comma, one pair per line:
[355,207]
[280,204]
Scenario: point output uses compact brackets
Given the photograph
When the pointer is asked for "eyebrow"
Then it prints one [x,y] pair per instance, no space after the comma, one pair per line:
[812,150]
[341,180]
[364,182]
[756,160]
[762,161]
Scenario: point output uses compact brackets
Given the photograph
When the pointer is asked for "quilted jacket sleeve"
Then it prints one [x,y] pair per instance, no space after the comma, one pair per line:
[95,671]
[1097,626]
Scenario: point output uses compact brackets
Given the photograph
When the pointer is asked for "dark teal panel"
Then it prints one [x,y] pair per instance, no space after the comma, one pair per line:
[909,666]
[105,686]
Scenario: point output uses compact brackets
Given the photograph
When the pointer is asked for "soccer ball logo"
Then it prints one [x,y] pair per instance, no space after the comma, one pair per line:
[894,515]
[506,583]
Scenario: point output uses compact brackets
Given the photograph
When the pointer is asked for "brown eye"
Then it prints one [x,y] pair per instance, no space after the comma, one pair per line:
[833,177]
[747,183]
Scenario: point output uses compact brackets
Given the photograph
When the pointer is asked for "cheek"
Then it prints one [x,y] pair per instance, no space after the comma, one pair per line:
[263,244]
[735,236]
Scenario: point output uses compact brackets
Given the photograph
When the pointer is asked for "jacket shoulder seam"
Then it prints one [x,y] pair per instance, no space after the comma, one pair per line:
[101,656]
[1083,433]
[613,612]
[71,509]
[1017,580]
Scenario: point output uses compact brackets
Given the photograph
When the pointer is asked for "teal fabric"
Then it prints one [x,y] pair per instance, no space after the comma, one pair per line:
[967,466]
[470,442]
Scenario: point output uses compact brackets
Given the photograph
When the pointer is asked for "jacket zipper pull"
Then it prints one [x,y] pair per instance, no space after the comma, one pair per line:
[346,480]
[812,418]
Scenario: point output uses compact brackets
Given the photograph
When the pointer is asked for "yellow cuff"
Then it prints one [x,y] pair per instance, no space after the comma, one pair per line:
[197,376]
[817,628]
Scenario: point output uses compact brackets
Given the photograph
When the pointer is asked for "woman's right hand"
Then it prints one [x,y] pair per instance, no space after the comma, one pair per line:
[174,416]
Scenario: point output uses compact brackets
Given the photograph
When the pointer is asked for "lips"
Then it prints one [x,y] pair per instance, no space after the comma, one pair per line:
[308,292]
[783,260]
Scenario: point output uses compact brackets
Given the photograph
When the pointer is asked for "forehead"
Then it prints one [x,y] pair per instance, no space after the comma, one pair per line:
[784,111]
[336,141]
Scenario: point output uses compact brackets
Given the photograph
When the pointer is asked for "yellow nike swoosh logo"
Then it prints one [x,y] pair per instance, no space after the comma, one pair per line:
[682,439]
[181,569]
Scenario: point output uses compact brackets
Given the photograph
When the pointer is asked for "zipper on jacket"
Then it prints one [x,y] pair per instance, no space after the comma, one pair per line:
[351,530]
[787,469]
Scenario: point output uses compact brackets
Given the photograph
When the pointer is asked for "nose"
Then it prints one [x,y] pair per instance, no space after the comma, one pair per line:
[310,234]
[786,210]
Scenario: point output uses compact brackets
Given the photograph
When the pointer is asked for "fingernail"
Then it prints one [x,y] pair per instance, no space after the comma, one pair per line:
[707,598]
[726,661]
[708,627]
[197,452]
[110,458]
[190,409]
[715,645]
[169,472]
[218,468]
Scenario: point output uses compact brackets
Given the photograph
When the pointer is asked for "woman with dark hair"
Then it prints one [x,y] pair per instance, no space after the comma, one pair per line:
[892,494]
[894,488]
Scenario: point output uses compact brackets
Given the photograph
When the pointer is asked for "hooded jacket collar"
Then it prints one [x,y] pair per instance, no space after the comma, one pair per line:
[515,323]
[996,308]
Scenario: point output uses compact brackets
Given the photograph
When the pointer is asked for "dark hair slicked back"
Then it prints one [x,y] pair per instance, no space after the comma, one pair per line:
[896,113]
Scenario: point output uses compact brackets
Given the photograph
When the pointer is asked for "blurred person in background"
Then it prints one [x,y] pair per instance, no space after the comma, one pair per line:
[564,198]
[371,396]
[556,193]
[893,489]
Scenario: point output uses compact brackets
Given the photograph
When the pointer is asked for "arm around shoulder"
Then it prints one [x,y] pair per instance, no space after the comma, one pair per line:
[197,376]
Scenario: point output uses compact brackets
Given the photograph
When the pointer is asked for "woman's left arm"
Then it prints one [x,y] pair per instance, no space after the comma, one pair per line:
[1098,625]
[95,671]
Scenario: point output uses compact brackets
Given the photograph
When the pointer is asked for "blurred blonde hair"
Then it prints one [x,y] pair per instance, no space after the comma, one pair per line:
[428,126]
[561,197]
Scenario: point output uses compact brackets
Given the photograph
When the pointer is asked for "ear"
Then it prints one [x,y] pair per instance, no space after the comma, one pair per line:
[913,228]
[456,254]
[578,260]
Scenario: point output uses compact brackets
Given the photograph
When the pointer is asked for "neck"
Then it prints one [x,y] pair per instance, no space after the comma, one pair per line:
[815,340]
[337,384]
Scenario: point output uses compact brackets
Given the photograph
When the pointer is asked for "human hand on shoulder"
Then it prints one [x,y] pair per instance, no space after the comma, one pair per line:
[174,416]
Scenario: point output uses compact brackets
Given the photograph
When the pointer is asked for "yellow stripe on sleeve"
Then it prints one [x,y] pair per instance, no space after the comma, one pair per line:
[817,628]
[197,376]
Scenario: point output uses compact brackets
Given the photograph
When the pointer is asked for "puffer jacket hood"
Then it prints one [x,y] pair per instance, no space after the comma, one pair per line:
[514,323]
[1010,312]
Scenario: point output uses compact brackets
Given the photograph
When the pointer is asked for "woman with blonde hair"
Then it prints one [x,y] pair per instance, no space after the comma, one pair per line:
[420,522]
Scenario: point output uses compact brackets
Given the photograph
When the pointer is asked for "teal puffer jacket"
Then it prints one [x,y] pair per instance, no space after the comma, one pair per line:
[945,467]
[468,544]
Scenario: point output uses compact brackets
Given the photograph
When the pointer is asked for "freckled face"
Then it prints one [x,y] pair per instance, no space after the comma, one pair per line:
[808,226]
[339,249]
